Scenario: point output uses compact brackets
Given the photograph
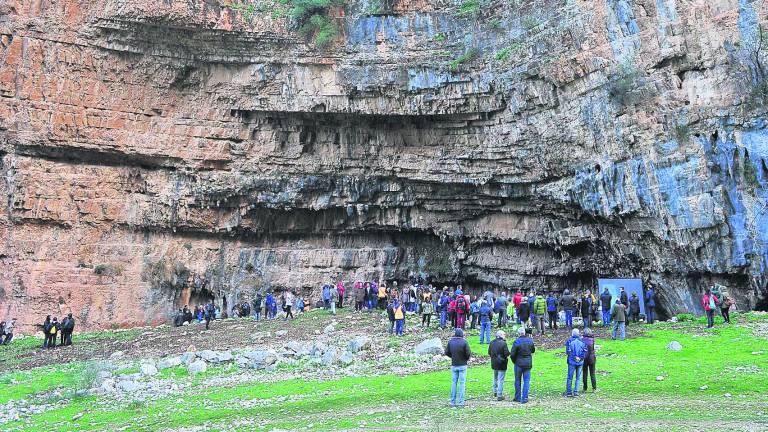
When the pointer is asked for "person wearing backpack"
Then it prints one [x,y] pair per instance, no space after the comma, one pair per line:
[619,317]
[460,353]
[486,318]
[452,312]
[521,355]
[725,306]
[575,351]
[589,361]
[67,328]
[524,312]
[650,306]
[516,300]
[461,311]
[710,302]
[499,354]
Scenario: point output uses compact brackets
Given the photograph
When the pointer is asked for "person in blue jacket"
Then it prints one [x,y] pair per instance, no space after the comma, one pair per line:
[575,351]
[521,352]
[486,318]
[605,306]
[650,306]
[552,310]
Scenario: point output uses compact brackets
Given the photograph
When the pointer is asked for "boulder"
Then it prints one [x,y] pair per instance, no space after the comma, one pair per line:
[208,355]
[347,358]
[281,333]
[259,359]
[169,362]
[429,347]
[674,346]
[330,328]
[128,386]
[330,356]
[188,357]
[358,344]
[148,369]
[116,355]
[196,367]
[107,386]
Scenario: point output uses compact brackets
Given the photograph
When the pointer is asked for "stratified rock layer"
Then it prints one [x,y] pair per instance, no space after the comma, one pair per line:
[162,153]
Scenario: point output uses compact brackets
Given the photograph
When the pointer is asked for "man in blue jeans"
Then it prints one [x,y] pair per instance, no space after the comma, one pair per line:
[521,352]
[499,353]
[576,351]
[459,352]
[486,319]
[569,302]
[442,308]
[619,315]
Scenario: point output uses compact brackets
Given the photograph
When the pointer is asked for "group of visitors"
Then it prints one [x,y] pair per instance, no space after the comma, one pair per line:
[717,298]
[6,331]
[580,355]
[54,329]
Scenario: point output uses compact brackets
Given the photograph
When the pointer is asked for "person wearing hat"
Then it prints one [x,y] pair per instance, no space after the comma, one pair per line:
[458,350]
[499,353]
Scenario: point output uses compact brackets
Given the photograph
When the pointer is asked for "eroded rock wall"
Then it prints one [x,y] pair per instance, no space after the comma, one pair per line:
[161,153]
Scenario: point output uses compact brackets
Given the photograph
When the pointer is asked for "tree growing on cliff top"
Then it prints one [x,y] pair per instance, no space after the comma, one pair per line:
[313,20]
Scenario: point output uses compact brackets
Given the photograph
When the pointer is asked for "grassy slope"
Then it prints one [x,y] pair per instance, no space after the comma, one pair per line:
[630,395]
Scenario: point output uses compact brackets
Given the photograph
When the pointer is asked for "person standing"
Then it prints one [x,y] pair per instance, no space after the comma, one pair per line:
[399,310]
[501,309]
[458,350]
[552,311]
[499,354]
[474,312]
[540,312]
[54,331]
[341,290]
[605,306]
[625,301]
[589,360]
[333,300]
[710,302]
[46,331]
[288,300]
[524,312]
[586,309]
[210,314]
[725,306]
[619,317]
[486,318]
[462,308]
[568,301]
[391,315]
[516,300]
[67,328]
[326,296]
[381,297]
[575,351]
[650,306]
[426,311]
[634,308]
[521,355]
[9,326]
[442,308]
[360,297]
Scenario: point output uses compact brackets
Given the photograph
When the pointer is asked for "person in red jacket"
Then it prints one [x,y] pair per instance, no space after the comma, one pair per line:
[710,302]
[516,300]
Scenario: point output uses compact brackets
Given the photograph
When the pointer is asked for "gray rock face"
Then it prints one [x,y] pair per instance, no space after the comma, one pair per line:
[358,344]
[430,347]
[674,346]
[188,357]
[197,366]
[633,146]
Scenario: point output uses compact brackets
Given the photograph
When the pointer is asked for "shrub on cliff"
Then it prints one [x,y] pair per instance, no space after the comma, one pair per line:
[312,20]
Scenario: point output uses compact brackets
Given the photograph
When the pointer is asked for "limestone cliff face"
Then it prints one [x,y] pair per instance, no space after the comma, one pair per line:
[156,153]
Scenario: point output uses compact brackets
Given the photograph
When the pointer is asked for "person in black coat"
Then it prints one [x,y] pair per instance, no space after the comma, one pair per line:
[589,360]
[521,355]
[46,331]
[524,311]
[459,352]
[67,328]
[499,353]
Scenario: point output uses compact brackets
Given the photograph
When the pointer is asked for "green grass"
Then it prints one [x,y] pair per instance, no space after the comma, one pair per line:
[627,374]
[469,56]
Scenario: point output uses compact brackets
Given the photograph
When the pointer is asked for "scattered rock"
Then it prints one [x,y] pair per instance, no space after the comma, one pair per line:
[258,359]
[673,319]
[330,328]
[728,395]
[347,358]
[358,344]
[77,416]
[330,356]
[659,378]
[281,333]
[674,346]
[128,386]
[757,353]
[197,366]
[116,355]
[429,347]
[704,387]
[148,369]
[169,362]
[188,357]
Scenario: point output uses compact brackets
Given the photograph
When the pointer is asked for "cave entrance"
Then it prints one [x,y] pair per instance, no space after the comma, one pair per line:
[762,304]
[201,297]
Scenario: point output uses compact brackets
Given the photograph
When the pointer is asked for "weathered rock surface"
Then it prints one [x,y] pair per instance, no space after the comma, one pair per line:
[156,154]
[429,347]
